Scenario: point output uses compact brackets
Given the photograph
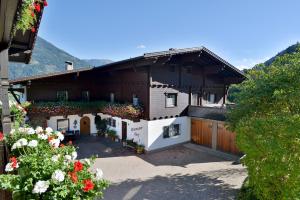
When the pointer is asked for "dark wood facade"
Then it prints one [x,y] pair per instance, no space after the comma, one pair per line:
[191,76]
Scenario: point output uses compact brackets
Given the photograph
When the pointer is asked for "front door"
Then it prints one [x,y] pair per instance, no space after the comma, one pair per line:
[124,130]
[85,125]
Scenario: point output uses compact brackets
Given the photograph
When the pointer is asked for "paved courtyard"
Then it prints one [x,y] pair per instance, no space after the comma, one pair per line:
[176,173]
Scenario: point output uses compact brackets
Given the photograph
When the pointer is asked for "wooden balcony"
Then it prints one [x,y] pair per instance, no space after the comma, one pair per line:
[215,113]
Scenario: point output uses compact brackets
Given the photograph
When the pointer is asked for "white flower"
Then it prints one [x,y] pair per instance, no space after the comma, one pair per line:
[40,187]
[99,174]
[22,130]
[16,145]
[68,158]
[8,167]
[58,176]
[23,141]
[55,158]
[74,155]
[30,131]
[60,136]
[43,136]
[87,161]
[33,143]
[12,131]
[54,143]
[39,130]
[49,130]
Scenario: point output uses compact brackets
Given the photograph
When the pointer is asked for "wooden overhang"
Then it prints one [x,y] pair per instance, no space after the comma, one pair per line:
[20,44]
[200,57]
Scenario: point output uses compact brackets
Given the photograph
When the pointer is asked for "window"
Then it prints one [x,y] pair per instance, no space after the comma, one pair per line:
[62,95]
[135,100]
[171,131]
[62,124]
[211,98]
[195,99]
[85,95]
[112,97]
[171,100]
[111,122]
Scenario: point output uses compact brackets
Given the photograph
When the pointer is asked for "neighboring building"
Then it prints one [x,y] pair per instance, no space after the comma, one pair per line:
[172,86]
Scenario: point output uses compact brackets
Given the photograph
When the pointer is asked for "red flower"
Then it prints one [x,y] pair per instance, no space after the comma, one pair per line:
[32,14]
[73,176]
[37,7]
[78,166]
[14,162]
[33,30]
[45,3]
[1,136]
[50,138]
[88,185]
[62,145]
[70,142]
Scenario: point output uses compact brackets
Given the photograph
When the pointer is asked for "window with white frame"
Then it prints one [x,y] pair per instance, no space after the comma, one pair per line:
[62,95]
[211,98]
[171,131]
[85,95]
[135,100]
[112,97]
[171,100]
[111,122]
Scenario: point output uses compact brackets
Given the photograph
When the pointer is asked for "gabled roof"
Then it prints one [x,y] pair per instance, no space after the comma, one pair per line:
[29,78]
[131,62]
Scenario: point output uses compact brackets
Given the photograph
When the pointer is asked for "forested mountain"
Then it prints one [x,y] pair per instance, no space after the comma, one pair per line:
[47,58]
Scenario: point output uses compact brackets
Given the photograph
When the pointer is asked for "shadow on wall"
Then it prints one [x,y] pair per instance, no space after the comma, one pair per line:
[187,187]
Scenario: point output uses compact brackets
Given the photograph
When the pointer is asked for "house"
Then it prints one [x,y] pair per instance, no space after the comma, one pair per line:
[174,88]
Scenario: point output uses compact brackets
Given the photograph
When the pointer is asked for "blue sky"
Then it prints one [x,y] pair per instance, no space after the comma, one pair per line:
[244,32]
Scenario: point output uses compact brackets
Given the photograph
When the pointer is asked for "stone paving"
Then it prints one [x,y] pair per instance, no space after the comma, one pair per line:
[176,173]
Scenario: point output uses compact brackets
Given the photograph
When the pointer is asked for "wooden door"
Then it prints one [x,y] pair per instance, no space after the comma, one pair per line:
[124,130]
[226,140]
[202,132]
[85,125]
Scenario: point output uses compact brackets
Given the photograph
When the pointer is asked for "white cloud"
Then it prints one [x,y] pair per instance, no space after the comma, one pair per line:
[247,63]
[141,46]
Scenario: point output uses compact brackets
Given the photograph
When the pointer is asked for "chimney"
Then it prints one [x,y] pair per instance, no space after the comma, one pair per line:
[69,65]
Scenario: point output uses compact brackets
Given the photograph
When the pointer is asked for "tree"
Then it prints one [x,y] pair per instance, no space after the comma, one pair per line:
[266,119]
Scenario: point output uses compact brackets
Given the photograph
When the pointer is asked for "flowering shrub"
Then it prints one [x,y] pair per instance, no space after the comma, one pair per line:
[28,14]
[40,167]
[48,109]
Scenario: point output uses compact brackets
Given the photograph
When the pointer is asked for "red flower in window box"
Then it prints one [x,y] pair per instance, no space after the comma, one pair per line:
[45,3]
[88,185]
[78,166]
[33,30]
[37,7]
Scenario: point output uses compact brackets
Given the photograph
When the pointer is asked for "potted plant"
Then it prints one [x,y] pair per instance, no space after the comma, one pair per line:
[140,149]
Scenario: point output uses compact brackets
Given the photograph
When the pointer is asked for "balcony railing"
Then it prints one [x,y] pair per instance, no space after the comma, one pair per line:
[207,112]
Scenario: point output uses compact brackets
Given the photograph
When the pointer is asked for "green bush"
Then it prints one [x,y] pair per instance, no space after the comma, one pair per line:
[266,119]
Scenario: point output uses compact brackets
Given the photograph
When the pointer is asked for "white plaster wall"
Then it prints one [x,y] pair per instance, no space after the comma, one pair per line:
[52,122]
[138,131]
[155,138]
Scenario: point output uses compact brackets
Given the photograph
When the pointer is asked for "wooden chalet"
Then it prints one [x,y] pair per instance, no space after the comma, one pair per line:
[174,87]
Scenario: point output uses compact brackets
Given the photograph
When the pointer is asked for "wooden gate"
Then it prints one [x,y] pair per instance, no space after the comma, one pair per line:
[226,140]
[202,132]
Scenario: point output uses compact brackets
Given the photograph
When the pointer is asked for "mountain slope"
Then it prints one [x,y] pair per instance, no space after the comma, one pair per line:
[47,58]
[97,62]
